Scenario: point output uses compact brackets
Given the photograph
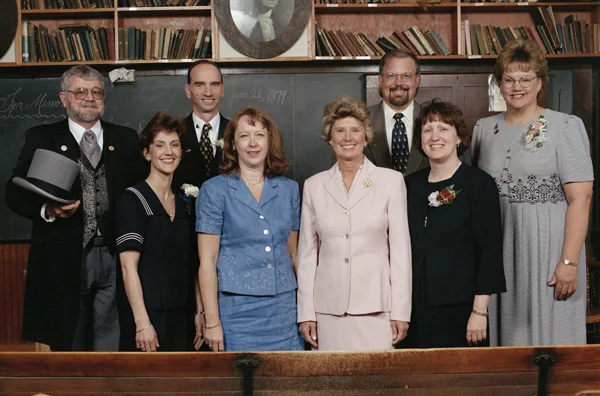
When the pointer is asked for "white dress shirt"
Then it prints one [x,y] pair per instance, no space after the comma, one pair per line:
[213,134]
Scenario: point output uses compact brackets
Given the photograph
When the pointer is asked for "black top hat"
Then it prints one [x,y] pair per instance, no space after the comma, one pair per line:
[50,175]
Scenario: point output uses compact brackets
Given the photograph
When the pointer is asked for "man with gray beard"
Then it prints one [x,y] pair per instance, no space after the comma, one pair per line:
[393,118]
[70,294]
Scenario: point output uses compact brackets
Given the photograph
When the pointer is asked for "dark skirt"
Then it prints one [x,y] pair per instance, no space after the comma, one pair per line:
[172,328]
[438,326]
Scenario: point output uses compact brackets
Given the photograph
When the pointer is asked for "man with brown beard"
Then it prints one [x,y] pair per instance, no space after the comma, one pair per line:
[393,118]
[70,294]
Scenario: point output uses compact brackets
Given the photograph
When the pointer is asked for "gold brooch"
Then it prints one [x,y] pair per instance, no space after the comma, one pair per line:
[111,148]
[188,150]
[367,183]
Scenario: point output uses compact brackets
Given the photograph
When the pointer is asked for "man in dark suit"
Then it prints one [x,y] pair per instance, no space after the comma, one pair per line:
[70,300]
[393,118]
[202,144]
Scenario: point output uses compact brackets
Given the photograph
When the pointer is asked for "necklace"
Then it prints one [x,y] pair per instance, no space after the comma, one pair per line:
[255,183]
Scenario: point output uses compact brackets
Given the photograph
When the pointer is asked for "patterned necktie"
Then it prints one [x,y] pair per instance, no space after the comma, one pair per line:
[206,148]
[90,148]
[399,145]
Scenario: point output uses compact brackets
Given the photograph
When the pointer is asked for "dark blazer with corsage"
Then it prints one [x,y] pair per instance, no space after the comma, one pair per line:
[457,247]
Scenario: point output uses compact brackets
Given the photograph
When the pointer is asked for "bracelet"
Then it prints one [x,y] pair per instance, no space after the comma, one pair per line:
[567,262]
[143,328]
[199,313]
[212,327]
[484,314]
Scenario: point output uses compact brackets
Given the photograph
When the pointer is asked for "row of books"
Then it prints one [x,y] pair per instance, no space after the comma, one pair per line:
[572,37]
[67,43]
[64,4]
[164,43]
[339,43]
[161,3]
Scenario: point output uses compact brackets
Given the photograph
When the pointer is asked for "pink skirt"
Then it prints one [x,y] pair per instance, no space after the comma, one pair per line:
[354,332]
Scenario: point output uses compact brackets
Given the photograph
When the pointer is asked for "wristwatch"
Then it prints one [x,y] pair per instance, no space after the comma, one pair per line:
[567,262]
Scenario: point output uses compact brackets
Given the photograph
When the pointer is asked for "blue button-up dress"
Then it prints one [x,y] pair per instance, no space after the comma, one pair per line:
[256,280]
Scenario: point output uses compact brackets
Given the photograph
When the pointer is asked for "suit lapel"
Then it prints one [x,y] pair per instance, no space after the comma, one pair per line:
[190,139]
[363,184]
[269,191]
[243,194]
[110,149]
[379,147]
[416,160]
[333,185]
[65,143]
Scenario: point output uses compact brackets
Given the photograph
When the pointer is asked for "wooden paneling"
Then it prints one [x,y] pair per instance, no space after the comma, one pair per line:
[440,372]
[13,269]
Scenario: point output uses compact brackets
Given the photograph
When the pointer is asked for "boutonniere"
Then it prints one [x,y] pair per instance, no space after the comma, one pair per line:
[444,197]
[535,135]
[367,183]
[188,193]
[220,143]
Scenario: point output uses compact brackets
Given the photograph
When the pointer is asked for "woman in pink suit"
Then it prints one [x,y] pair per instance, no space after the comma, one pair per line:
[354,269]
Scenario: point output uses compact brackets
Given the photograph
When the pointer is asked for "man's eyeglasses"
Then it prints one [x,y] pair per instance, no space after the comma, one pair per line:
[524,82]
[391,77]
[82,93]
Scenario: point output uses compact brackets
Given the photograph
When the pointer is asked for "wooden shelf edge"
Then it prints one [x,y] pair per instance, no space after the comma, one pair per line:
[69,11]
[161,9]
[593,315]
[374,7]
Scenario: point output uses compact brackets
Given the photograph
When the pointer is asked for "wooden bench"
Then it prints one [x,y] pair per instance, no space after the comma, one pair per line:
[573,370]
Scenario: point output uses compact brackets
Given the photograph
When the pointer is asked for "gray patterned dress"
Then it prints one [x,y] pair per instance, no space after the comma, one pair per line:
[534,209]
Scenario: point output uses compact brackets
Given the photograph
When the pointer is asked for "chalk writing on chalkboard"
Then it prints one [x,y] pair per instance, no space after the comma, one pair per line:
[12,107]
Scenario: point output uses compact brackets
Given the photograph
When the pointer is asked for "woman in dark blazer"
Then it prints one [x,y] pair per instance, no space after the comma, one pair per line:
[454,222]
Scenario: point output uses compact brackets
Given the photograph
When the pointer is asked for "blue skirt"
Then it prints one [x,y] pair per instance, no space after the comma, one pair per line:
[260,323]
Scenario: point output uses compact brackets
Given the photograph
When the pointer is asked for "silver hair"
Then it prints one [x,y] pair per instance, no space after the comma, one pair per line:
[82,71]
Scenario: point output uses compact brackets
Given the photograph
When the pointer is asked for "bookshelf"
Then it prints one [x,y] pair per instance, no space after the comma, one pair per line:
[375,20]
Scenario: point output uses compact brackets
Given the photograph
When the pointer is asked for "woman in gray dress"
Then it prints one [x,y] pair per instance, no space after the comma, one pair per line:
[541,162]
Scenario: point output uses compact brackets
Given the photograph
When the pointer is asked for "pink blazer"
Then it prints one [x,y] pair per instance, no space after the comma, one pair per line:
[354,250]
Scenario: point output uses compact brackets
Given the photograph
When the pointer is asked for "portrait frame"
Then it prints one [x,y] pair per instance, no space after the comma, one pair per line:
[263,50]
[9,21]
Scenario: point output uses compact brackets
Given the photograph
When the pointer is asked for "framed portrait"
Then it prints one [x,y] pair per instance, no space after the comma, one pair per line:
[8,29]
[263,29]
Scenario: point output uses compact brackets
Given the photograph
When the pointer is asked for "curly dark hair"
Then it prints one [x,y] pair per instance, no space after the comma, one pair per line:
[161,122]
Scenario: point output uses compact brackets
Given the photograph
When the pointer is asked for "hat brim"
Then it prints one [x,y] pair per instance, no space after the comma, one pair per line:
[52,195]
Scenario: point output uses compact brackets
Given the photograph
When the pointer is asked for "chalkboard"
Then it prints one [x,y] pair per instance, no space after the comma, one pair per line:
[295,101]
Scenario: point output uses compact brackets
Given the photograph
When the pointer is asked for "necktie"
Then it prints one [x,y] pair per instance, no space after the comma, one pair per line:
[206,148]
[90,148]
[399,145]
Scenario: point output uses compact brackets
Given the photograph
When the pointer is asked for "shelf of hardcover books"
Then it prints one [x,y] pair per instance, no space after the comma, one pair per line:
[46,5]
[144,38]
[364,34]
[67,39]
[560,32]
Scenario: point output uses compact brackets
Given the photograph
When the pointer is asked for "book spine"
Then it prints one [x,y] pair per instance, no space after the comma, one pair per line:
[24,42]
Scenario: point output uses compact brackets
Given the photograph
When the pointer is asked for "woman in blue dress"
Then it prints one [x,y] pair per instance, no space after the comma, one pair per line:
[248,220]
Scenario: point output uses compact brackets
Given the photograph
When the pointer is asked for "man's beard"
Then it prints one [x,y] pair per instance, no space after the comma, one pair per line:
[398,101]
[86,116]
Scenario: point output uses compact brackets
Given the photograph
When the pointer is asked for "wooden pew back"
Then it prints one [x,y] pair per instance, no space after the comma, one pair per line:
[439,372]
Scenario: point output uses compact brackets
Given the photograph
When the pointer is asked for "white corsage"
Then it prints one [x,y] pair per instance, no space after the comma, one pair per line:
[220,143]
[535,136]
[433,199]
[190,190]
